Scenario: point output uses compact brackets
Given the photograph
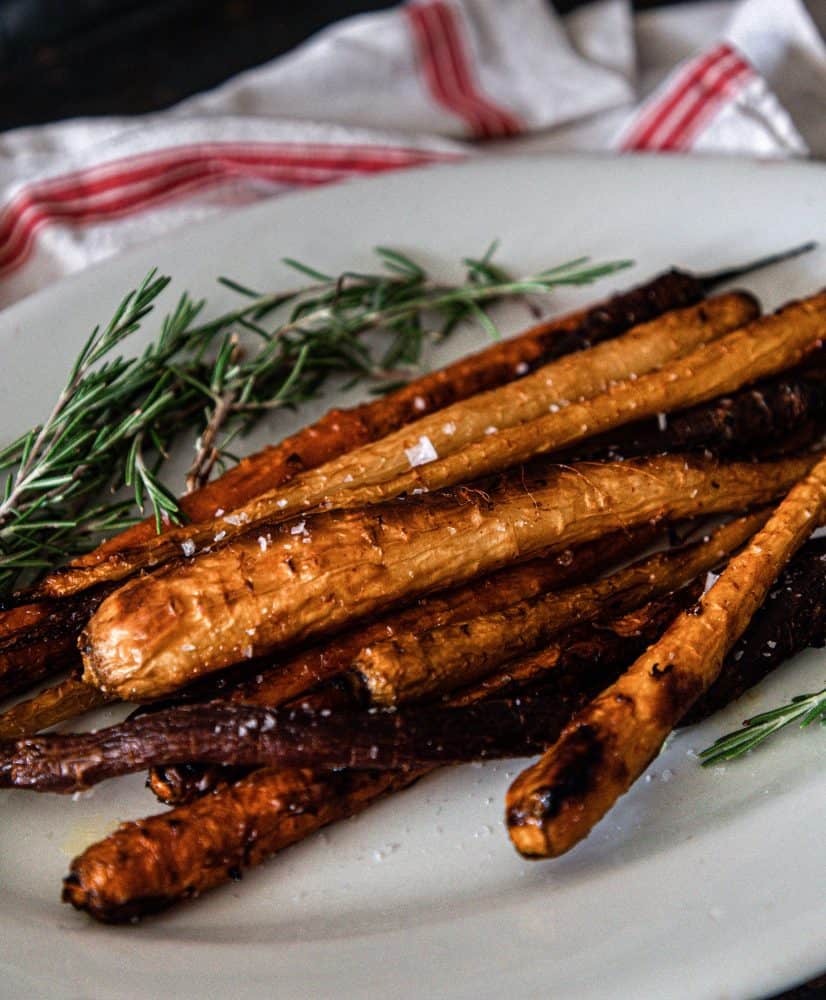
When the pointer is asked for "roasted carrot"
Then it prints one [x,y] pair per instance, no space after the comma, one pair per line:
[148,865]
[429,662]
[607,745]
[265,592]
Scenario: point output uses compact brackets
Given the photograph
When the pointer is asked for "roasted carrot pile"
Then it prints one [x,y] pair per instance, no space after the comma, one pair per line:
[561,546]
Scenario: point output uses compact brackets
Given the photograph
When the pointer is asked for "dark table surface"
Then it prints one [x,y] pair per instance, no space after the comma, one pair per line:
[61,59]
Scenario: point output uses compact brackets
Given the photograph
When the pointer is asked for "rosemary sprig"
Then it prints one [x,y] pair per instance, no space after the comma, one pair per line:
[116,420]
[804,708]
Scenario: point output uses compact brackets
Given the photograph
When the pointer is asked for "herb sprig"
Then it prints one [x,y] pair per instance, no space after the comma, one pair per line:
[803,709]
[116,420]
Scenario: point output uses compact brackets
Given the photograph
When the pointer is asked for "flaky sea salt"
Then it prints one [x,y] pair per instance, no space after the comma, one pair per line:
[421,453]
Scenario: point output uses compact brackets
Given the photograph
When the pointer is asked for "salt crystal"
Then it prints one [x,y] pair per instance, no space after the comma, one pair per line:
[419,403]
[521,368]
[262,543]
[662,421]
[491,430]
[449,428]
[220,535]
[188,547]
[246,652]
[236,519]
[281,502]
[553,408]
[220,512]
[298,529]
[421,453]
[711,579]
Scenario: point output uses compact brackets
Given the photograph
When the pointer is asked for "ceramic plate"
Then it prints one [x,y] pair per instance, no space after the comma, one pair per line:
[700,883]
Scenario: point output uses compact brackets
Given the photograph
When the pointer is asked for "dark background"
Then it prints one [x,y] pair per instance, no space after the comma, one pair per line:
[62,58]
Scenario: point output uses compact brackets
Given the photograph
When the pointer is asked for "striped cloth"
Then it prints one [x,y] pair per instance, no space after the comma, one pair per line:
[431,81]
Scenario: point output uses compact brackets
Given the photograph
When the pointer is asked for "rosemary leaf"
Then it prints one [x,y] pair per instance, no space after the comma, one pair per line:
[803,709]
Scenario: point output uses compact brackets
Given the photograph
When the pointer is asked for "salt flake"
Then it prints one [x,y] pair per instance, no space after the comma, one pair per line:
[421,453]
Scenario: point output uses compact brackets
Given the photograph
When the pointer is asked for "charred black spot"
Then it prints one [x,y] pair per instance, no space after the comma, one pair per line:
[576,773]
[676,692]
[657,671]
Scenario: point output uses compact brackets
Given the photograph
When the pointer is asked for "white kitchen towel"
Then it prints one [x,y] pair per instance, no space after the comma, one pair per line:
[426,82]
